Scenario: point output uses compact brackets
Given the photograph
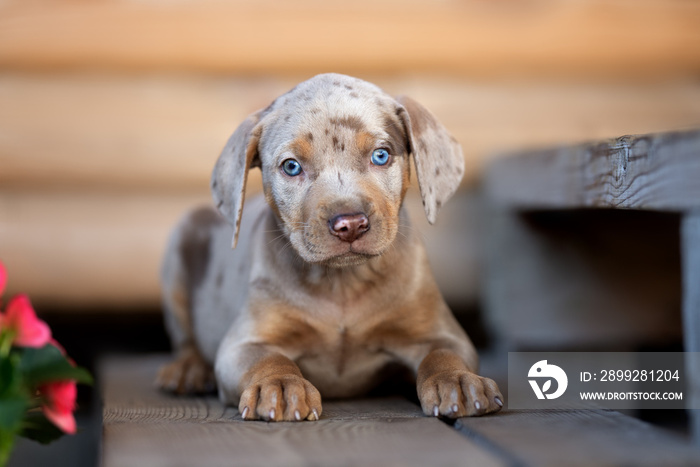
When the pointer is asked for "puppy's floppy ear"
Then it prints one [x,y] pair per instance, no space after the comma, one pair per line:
[230,173]
[437,155]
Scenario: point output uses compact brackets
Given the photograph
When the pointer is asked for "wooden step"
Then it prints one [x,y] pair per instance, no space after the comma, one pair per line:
[143,426]
[593,240]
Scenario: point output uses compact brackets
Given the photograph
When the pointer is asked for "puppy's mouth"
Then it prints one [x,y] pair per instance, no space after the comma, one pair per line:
[349,258]
[344,255]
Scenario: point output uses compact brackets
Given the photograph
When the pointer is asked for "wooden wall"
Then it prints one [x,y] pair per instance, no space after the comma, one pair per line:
[112,112]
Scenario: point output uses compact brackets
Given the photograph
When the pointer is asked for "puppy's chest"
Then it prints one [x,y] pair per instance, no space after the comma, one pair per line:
[344,362]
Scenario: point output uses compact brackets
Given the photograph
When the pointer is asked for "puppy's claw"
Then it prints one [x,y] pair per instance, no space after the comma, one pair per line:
[477,404]
[436,411]
[297,415]
[272,414]
[455,408]
[498,401]
[244,413]
[316,417]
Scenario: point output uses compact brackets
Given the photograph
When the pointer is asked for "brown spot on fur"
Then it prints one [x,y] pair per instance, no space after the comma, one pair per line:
[286,327]
[437,171]
[348,87]
[195,245]
[354,95]
[365,142]
[302,148]
[310,136]
[353,122]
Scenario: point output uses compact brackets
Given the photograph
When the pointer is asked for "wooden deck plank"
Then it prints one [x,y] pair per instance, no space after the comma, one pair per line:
[654,172]
[690,246]
[51,241]
[628,38]
[164,132]
[145,427]
[578,438]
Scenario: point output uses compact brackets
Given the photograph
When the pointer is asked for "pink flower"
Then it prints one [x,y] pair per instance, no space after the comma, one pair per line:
[3,278]
[21,320]
[59,404]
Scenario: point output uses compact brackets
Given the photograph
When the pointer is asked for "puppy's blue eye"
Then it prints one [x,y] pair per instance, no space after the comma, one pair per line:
[291,167]
[380,157]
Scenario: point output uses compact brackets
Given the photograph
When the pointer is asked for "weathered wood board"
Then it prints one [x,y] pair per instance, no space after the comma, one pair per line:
[652,172]
[627,38]
[690,245]
[103,249]
[553,274]
[578,438]
[164,132]
[146,428]
[96,168]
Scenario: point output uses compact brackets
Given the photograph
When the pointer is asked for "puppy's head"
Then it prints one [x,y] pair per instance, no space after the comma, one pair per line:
[334,153]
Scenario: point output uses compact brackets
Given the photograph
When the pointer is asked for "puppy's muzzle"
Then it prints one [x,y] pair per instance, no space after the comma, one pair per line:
[349,227]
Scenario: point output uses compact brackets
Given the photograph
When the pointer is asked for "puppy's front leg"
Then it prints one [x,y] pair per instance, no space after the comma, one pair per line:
[447,387]
[266,384]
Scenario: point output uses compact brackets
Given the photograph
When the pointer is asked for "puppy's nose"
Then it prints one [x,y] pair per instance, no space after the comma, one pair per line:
[349,227]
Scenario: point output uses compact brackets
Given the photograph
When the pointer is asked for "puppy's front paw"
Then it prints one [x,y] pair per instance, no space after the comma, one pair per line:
[278,398]
[456,394]
[189,373]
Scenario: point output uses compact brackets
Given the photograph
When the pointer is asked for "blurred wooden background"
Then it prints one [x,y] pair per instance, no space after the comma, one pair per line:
[113,112]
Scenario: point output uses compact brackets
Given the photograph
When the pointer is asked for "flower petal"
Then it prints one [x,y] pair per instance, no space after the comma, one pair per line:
[65,421]
[60,395]
[29,330]
[3,278]
[59,404]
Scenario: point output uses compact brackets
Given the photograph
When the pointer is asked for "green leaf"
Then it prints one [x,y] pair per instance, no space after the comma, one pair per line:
[47,364]
[9,375]
[11,412]
[7,442]
[38,428]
